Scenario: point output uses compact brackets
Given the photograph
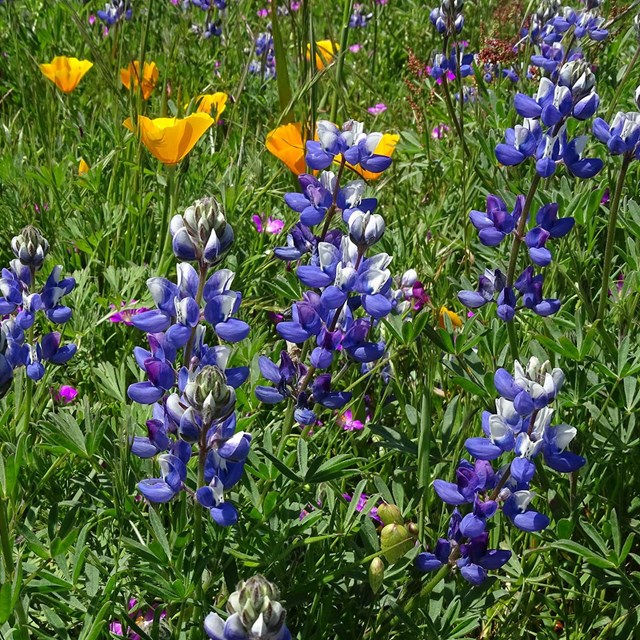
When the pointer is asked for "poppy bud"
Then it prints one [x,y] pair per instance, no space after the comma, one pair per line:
[376,574]
[30,247]
[395,541]
[389,514]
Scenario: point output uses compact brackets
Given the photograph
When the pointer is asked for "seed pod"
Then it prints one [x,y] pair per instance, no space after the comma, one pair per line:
[376,574]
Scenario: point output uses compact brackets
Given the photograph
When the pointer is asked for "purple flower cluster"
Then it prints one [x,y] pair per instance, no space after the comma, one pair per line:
[520,429]
[350,291]
[447,18]
[115,11]
[193,397]
[543,135]
[20,342]
[552,21]
[264,63]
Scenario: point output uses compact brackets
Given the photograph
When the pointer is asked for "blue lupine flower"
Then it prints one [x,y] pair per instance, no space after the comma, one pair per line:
[173,471]
[586,23]
[114,11]
[300,240]
[221,305]
[531,387]
[448,18]
[577,165]
[520,143]
[549,226]
[473,558]
[623,136]
[285,378]
[490,283]
[530,288]
[356,146]
[470,479]
[359,19]
[516,508]
[255,612]
[549,58]
[497,222]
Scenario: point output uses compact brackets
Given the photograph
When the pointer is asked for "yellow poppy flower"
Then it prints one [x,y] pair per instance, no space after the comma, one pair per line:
[150,75]
[83,167]
[326,50]
[286,144]
[65,72]
[209,102]
[453,316]
[385,147]
[170,139]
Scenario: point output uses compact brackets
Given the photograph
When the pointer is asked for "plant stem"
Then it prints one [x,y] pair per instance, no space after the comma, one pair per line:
[611,236]
[517,238]
[428,588]
[344,39]
[203,271]
[513,339]
[7,552]
[630,67]
[167,208]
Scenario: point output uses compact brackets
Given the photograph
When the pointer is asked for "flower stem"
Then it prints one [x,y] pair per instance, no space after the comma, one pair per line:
[522,222]
[344,40]
[166,212]
[442,573]
[630,67]
[513,339]
[204,270]
[7,552]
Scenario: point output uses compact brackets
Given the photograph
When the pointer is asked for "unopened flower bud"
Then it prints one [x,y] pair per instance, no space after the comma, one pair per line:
[365,229]
[30,247]
[578,78]
[389,514]
[376,574]
[412,528]
[256,604]
[209,393]
[395,541]
[201,232]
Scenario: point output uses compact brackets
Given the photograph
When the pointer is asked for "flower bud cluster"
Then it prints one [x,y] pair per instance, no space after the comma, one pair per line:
[518,434]
[193,396]
[447,18]
[21,344]
[350,290]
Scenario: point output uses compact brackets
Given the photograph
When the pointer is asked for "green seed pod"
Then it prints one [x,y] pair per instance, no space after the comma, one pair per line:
[395,541]
[376,574]
[389,514]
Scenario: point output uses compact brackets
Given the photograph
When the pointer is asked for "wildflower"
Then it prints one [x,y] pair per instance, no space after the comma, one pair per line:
[469,555]
[348,423]
[622,137]
[255,612]
[65,72]
[273,226]
[144,619]
[439,131]
[66,394]
[359,19]
[361,503]
[83,167]
[355,48]
[286,144]
[263,13]
[212,103]
[126,312]
[455,319]
[132,79]
[326,50]
[115,11]
[497,222]
[170,139]
[377,109]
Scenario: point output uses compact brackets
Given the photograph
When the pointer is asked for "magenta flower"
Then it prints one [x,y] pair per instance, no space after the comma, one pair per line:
[125,315]
[66,394]
[377,109]
[272,226]
[439,131]
[362,501]
[354,48]
[143,619]
[263,13]
[92,19]
[347,422]
[295,6]
[606,197]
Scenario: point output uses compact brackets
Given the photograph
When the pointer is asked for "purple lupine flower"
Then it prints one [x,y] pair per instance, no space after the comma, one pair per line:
[114,11]
[471,556]
[126,313]
[497,222]
[363,498]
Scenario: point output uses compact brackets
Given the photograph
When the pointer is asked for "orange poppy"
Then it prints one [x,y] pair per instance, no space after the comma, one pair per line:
[150,75]
[65,72]
[286,144]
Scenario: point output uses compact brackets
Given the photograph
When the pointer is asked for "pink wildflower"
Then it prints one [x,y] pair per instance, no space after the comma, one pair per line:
[125,315]
[66,394]
[377,109]
[272,226]
[439,131]
[354,48]
[347,422]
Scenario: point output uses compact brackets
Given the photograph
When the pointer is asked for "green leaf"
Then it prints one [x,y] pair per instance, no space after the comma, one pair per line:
[584,553]
[159,532]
